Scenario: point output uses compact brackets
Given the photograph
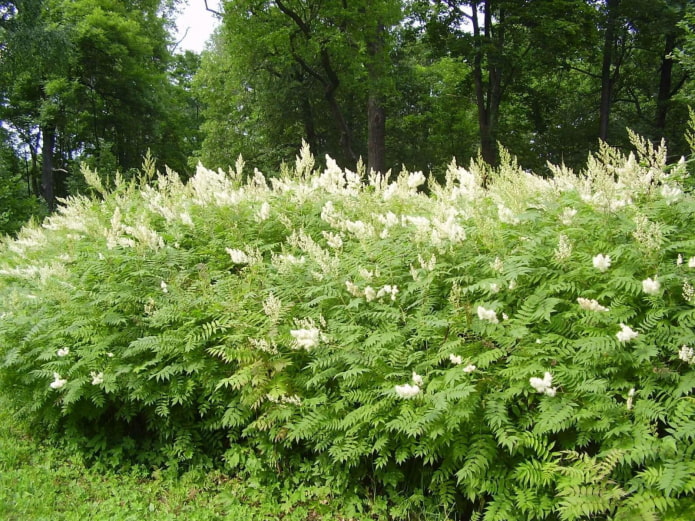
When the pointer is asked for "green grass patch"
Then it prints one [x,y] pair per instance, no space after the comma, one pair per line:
[41,481]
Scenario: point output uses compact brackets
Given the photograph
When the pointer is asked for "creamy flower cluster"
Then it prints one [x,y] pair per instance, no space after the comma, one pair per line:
[306,338]
[284,399]
[630,398]
[687,354]
[590,304]
[626,334]
[388,289]
[564,248]
[410,390]
[369,293]
[602,262]
[543,385]
[457,360]
[487,314]
[57,382]
[651,286]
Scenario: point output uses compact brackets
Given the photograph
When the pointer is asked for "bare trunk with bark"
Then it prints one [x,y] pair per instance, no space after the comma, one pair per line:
[47,179]
[607,76]
[376,114]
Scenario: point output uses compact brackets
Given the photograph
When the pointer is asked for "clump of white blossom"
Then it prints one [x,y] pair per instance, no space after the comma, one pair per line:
[97,378]
[369,293]
[630,397]
[334,240]
[63,351]
[626,333]
[263,212]
[590,304]
[261,344]
[306,338]
[651,286]
[353,289]
[455,359]
[272,307]
[388,289]
[487,314]
[407,390]
[469,368]
[687,354]
[410,390]
[602,262]
[506,215]
[543,385]
[285,399]
[567,216]
[57,382]
[671,194]
[564,249]
[237,256]
[648,233]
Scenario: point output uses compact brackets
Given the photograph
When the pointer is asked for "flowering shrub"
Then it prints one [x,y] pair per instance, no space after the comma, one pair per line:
[522,350]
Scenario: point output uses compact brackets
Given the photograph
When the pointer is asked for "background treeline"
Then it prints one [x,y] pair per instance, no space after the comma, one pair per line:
[390,81]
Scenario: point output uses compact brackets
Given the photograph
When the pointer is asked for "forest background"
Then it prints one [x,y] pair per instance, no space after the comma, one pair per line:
[391,82]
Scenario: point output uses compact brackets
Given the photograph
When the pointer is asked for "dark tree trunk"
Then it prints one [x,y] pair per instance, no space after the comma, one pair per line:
[308,123]
[376,135]
[47,180]
[607,77]
[376,114]
[488,93]
[664,95]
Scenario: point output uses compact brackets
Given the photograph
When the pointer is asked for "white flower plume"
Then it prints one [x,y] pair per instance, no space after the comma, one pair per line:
[487,314]
[407,390]
[543,385]
[626,333]
[651,286]
[602,262]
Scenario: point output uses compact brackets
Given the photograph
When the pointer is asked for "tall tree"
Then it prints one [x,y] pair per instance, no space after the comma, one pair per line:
[36,54]
[320,69]
[90,80]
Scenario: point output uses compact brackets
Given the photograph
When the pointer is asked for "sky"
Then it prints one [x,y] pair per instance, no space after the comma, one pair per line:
[199,22]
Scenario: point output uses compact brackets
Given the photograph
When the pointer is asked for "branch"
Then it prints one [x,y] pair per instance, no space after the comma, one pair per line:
[295,18]
[173,49]
[588,73]
[213,11]
[678,86]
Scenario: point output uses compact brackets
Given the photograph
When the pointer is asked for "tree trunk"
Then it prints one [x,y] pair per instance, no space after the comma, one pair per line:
[664,95]
[488,94]
[308,123]
[376,135]
[606,75]
[376,114]
[48,134]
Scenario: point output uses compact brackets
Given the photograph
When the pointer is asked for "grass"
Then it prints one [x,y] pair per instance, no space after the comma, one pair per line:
[41,482]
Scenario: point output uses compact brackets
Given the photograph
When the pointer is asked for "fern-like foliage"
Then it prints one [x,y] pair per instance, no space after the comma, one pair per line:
[521,350]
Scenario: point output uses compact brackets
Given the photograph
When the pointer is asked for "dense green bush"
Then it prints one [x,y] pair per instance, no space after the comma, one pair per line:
[512,346]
